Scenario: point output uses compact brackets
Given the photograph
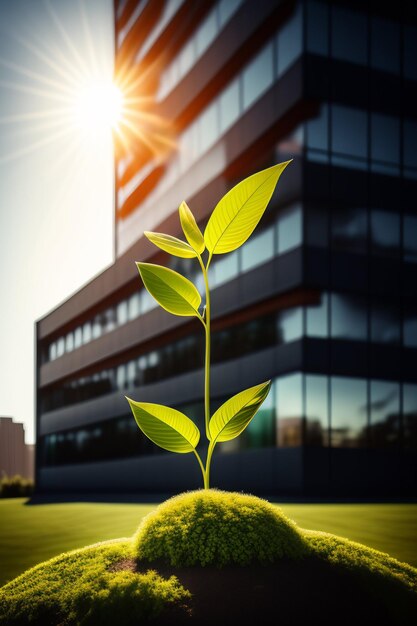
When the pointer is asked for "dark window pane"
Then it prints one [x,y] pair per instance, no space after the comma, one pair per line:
[349,35]
[318,130]
[410,415]
[317,419]
[289,410]
[349,131]
[317,226]
[385,233]
[317,317]
[410,238]
[350,229]
[385,45]
[410,143]
[317,27]
[384,414]
[385,323]
[348,317]
[348,412]
[410,52]
[410,326]
[385,138]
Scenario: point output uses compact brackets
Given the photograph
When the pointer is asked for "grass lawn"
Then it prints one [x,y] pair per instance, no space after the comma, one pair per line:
[31,534]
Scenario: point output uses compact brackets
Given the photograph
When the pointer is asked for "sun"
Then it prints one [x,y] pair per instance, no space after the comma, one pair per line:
[98,106]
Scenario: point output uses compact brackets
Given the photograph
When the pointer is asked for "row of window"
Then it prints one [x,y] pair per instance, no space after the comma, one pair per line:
[378,42]
[359,139]
[347,229]
[337,316]
[195,47]
[228,106]
[280,237]
[301,409]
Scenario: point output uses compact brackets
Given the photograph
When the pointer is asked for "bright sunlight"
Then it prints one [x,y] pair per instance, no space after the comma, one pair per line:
[98,106]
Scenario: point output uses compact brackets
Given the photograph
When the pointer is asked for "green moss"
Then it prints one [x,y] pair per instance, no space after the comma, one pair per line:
[81,587]
[216,527]
[111,583]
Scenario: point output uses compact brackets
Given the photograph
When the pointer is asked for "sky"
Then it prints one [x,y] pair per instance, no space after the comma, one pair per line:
[56,175]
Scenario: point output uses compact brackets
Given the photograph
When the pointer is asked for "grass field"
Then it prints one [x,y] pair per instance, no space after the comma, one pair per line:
[31,534]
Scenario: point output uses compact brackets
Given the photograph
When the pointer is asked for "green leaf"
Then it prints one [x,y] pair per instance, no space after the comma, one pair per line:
[236,413]
[168,428]
[171,244]
[175,293]
[192,232]
[237,214]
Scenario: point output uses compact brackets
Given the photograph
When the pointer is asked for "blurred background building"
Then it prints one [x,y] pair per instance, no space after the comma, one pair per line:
[16,456]
[322,298]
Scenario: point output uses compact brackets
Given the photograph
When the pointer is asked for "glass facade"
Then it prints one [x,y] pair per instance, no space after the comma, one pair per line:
[301,409]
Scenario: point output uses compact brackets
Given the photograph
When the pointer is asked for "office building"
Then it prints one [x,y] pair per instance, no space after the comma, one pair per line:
[322,299]
[16,457]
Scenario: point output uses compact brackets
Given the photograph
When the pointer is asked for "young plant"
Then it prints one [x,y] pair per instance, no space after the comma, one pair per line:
[232,222]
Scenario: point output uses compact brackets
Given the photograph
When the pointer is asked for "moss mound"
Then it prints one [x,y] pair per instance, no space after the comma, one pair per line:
[313,576]
[211,527]
[88,586]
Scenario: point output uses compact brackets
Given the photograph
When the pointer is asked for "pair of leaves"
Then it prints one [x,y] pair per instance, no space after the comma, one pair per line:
[172,430]
[233,220]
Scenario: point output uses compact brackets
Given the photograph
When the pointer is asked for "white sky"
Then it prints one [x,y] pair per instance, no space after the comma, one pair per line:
[56,180]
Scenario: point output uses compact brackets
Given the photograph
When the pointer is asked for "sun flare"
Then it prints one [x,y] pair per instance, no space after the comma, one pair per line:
[98,106]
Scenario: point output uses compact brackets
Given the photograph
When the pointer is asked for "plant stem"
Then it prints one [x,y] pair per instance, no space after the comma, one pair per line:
[208,462]
[200,462]
[207,360]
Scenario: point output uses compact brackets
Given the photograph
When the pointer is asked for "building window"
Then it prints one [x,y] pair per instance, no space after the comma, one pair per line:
[318,130]
[410,415]
[289,405]
[410,238]
[348,317]
[385,233]
[385,143]
[227,8]
[134,306]
[349,131]
[122,315]
[223,269]
[60,347]
[349,420]
[206,33]
[317,411]
[208,127]
[384,414]
[409,144]
[97,327]
[78,337]
[229,105]
[258,76]
[290,41]
[258,249]
[317,27]
[121,378]
[69,342]
[410,326]
[290,325]
[261,430]
[350,229]
[385,45]
[289,228]
[52,351]
[410,52]
[317,317]
[87,332]
[349,26]
[317,226]
[385,323]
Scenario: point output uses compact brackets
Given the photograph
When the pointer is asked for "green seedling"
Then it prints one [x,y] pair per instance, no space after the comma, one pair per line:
[231,223]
